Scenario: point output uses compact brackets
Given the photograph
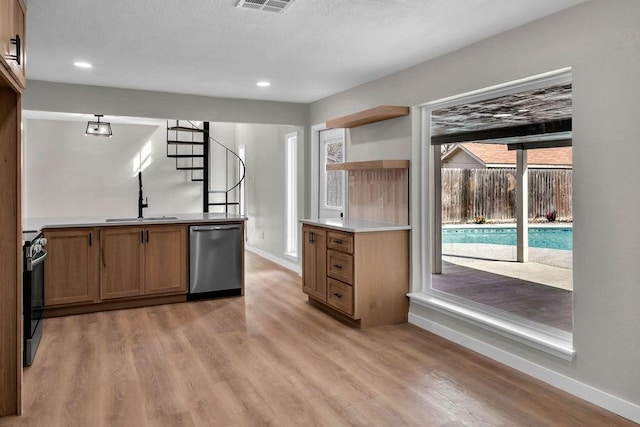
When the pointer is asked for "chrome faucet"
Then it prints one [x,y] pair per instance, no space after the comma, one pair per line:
[141,204]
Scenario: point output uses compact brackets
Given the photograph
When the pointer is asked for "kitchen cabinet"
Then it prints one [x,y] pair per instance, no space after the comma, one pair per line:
[12,39]
[314,256]
[143,261]
[165,259]
[361,277]
[121,262]
[71,267]
[102,268]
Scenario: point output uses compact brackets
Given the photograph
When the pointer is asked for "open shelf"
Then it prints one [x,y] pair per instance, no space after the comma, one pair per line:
[372,115]
[373,164]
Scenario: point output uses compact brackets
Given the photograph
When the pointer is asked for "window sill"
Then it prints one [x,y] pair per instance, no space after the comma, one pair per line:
[549,340]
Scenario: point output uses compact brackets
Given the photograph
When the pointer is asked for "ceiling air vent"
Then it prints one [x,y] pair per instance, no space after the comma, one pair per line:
[268,5]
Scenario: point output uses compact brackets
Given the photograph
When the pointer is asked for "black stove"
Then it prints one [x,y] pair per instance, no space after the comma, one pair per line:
[34,255]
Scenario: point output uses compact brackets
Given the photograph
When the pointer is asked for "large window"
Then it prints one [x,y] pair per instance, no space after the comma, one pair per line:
[498,192]
[291,204]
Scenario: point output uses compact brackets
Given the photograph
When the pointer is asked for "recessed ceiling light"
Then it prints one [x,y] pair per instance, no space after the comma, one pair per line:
[500,115]
[81,64]
[263,84]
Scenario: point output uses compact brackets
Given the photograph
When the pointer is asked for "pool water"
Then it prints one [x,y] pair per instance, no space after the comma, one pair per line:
[539,237]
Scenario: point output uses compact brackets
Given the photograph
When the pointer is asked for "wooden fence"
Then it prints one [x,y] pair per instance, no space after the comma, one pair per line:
[467,193]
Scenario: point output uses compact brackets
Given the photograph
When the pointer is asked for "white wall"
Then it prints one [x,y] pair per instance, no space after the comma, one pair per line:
[70,174]
[600,40]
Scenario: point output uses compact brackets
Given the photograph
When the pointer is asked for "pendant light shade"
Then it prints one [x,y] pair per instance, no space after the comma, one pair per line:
[98,128]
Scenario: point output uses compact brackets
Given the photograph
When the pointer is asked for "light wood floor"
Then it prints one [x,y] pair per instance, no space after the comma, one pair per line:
[271,359]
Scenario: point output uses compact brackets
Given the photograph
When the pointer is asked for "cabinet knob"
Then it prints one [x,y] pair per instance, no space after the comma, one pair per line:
[336,294]
[338,241]
[337,266]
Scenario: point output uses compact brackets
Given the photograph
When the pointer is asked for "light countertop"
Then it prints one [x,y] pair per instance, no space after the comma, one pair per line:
[37,224]
[355,225]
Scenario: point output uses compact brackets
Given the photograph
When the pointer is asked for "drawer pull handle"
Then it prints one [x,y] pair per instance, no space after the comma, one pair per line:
[338,241]
[336,294]
[337,266]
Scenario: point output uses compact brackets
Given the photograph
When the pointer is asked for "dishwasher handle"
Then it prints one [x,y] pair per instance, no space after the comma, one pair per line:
[200,228]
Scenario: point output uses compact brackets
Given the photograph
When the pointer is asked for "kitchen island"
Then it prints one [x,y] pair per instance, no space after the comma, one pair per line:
[99,263]
[357,270]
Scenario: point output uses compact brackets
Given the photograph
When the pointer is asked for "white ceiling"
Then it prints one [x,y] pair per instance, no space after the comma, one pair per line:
[210,47]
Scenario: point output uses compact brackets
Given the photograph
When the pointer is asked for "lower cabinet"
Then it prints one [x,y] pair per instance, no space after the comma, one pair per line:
[165,260]
[362,277]
[314,255]
[107,264]
[142,261]
[71,267]
[121,262]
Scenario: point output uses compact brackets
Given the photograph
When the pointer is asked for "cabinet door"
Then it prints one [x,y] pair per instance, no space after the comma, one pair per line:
[6,22]
[121,261]
[12,24]
[165,259]
[314,253]
[71,267]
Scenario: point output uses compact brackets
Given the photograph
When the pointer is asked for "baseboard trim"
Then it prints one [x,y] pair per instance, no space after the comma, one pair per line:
[584,391]
[283,262]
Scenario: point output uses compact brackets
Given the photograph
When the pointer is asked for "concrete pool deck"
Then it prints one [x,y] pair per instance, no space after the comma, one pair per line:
[550,267]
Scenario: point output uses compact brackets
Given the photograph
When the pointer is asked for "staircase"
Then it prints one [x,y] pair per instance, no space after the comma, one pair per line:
[207,160]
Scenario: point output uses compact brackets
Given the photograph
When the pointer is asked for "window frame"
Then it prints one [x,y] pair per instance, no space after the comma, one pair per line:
[545,338]
[291,195]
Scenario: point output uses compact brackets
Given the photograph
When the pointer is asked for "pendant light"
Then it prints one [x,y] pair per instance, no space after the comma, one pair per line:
[98,128]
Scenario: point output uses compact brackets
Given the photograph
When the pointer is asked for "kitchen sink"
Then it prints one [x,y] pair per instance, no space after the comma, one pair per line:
[153,218]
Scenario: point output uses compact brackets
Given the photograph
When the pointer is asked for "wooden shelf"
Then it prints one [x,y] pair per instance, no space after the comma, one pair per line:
[372,115]
[374,164]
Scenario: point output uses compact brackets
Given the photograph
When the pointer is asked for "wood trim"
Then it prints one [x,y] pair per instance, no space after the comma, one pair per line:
[114,305]
[372,164]
[10,252]
[18,245]
[372,115]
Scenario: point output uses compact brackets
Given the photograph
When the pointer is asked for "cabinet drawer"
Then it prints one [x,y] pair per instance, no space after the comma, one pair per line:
[340,296]
[340,241]
[340,266]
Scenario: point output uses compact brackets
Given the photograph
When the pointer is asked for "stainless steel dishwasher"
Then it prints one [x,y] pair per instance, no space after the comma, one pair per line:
[215,261]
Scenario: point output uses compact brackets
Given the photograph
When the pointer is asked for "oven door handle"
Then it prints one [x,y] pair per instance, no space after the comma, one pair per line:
[31,264]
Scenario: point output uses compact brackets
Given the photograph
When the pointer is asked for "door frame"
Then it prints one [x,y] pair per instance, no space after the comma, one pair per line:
[315,171]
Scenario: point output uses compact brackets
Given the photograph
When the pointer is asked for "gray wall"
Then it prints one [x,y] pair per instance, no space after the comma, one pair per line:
[461,160]
[600,40]
[265,184]
[69,174]
[68,98]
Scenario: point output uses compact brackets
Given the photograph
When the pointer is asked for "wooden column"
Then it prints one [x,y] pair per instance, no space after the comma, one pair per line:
[10,252]
[522,206]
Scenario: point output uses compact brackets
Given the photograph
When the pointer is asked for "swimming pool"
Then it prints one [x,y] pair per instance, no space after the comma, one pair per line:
[539,237]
